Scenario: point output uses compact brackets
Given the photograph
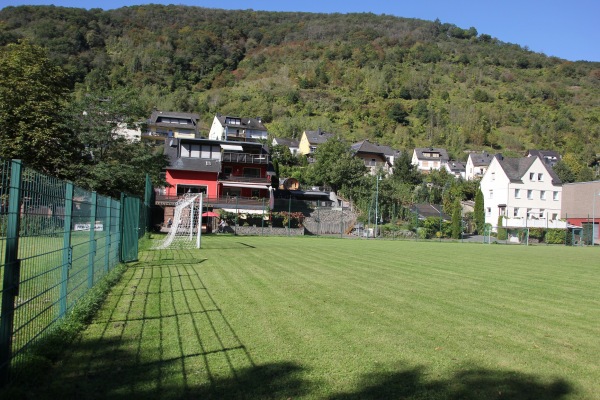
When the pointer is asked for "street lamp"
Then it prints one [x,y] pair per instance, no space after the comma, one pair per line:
[376,201]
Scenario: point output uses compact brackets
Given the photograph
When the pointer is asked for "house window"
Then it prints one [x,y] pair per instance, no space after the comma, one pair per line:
[493,176]
[542,195]
[530,194]
[532,176]
[488,212]
[517,193]
[425,164]
[252,172]
[528,213]
[555,196]
[255,192]
[554,216]
[183,189]
[540,177]
[541,213]
[491,194]
[515,212]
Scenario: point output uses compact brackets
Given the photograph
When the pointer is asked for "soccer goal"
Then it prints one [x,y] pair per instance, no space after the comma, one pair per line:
[186,229]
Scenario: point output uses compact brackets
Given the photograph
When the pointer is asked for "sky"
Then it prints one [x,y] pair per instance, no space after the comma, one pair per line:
[565,29]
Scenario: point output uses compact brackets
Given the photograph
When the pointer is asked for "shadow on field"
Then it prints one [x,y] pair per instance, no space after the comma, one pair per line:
[469,384]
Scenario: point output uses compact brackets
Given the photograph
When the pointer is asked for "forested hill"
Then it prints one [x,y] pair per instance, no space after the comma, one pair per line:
[402,82]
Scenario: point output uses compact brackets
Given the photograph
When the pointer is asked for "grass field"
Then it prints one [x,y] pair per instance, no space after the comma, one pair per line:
[266,317]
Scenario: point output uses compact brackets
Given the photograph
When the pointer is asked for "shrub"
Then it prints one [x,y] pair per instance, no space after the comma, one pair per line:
[555,236]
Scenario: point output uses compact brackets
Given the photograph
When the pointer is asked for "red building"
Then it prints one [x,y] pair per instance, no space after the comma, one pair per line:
[222,170]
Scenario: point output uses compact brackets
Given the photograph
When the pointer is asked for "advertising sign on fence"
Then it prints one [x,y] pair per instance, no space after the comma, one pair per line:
[86,227]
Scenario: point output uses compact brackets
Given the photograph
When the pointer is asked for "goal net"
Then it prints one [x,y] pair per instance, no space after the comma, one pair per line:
[186,229]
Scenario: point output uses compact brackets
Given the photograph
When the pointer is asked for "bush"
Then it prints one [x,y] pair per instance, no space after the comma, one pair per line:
[555,236]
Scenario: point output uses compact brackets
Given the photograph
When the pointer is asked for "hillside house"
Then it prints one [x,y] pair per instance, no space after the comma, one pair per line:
[291,144]
[227,128]
[525,191]
[455,168]
[373,156]
[550,157]
[429,158]
[310,140]
[167,124]
[477,164]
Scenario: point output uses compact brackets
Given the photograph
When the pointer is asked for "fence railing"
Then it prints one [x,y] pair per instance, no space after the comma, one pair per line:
[57,241]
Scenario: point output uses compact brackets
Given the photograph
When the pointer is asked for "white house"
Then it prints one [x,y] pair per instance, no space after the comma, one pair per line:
[477,164]
[291,144]
[430,158]
[526,191]
[455,168]
[237,129]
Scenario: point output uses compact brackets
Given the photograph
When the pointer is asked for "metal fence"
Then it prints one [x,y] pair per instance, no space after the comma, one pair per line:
[57,241]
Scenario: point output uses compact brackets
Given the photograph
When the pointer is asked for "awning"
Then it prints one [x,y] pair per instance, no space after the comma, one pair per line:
[246,185]
[232,147]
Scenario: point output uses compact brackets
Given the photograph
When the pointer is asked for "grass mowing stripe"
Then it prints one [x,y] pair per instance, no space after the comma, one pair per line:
[343,319]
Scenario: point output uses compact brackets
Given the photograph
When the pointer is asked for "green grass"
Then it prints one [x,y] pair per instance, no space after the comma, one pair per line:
[266,317]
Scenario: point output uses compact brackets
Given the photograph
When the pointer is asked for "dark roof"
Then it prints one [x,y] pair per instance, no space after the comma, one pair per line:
[172,114]
[317,137]
[286,142]
[421,156]
[365,146]
[248,123]
[456,166]
[543,154]
[516,168]
[425,210]
[481,159]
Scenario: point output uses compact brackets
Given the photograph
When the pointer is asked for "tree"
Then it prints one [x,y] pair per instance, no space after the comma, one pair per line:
[33,95]
[336,166]
[479,212]
[456,220]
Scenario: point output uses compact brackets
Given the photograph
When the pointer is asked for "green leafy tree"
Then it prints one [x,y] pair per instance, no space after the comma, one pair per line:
[479,212]
[33,95]
[336,166]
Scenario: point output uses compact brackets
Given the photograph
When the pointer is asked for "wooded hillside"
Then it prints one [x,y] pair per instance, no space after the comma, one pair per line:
[396,81]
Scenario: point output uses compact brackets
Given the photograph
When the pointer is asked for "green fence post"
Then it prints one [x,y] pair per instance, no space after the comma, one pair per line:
[262,221]
[289,215]
[10,284]
[148,203]
[67,257]
[107,239]
[120,225]
[92,248]
[236,215]
[342,221]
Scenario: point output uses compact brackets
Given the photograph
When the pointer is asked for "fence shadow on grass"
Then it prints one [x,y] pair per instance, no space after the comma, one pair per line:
[467,384]
[162,335]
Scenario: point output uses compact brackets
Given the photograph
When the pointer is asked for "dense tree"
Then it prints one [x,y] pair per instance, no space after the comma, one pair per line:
[33,95]
[479,212]
[456,220]
[336,166]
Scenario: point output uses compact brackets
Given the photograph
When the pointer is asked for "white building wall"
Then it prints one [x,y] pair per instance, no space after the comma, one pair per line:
[543,202]
[217,132]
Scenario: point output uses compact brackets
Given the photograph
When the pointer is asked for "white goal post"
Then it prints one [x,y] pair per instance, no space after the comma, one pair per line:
[186,229]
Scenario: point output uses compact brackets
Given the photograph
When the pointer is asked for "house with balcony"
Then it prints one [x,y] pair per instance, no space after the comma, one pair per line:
[164,125]
[374,156]
[310,140]
[477,164]
[525,191]
[237,129]
[227,173]
[429,158]
[581,208]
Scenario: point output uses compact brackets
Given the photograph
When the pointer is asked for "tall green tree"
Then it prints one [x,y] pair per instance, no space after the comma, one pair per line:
[33,96]
[456,220]
[479,212]
[336,166]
